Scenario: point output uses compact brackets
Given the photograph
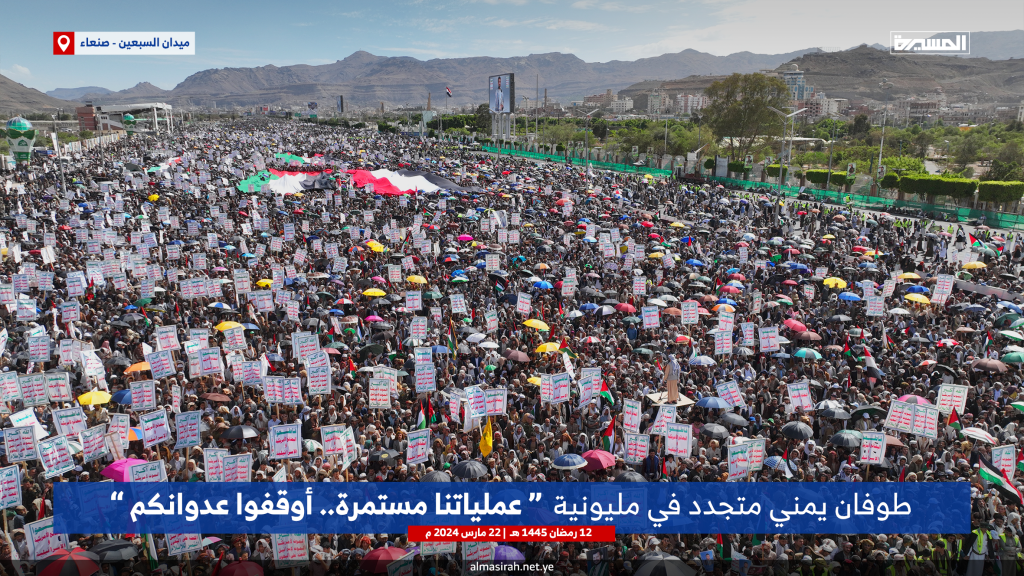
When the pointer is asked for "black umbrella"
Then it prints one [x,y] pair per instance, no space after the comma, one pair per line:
[77,562]
[848,439]
[870,410]
[469,469]
[240,432]
[383,455]
[664,566]
[630,476]
[797,431]
[115,550]
[436,476]
[715,431]
[837,413]
[734,419]
[840,318]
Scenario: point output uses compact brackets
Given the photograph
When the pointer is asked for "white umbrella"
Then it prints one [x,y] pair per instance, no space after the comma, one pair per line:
[474,338]
[979,435]
[489,345]
[899,312]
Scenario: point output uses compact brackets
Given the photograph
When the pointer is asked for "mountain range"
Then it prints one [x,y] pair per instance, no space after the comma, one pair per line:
[367,80]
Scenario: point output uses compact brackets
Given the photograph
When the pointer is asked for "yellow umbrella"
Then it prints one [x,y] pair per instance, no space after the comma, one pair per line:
[548,347]
[919,298]
[535,380]
[376,292]
[527,225]
[874,253]
[227,325]
[677,225]
[909,276]
[264,283]
[543,266]
[974,265]
[154,197]
[416,279]
[828,237]
[378,248]
[655,255]
[94,397]
[534,323]
[834,282]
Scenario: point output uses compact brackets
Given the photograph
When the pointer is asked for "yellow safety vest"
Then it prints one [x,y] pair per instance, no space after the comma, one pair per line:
[979,542]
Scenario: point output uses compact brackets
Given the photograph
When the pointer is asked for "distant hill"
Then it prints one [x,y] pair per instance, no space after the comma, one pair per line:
[141,92]
[856,73]
[17,98]
[76,93]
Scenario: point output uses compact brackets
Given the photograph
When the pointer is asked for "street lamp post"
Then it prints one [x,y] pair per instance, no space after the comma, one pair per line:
[784,160]
[60,161]
[831,145]
[947,155]
[887,86]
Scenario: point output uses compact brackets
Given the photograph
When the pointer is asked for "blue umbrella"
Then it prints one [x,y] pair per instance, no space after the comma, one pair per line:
[732,270]
[780,355]
[590,240]
[775,462]
[712,402]
[248,255]
[130,307]
[250,327]
[849,296]
[694,262]
[220,305]
[543,285]
[589,306]
[275,357]
[1005,304]
[726,301]
[569,462]
[975,308]
[336,311]
[917,290]
[122,397]
[869,265]
[440,350]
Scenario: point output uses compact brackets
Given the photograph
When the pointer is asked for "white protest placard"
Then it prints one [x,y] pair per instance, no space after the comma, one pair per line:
[1004,458]
[876,305]
[678,439]
[178,544]
[418,327]
[186,427]
[651,316]
[147,472]
[631,415]
[161,364]
[237,468]
[414,300]
[20,443]
[418,448]
[560,387]
[637,448]
[769,338]
[380,393]
[318,380]
[214,463]
[739,461]
[476,402]
[155,428]
[730,392]
[491,317]
[55,455]
[524,304]
[872,447]
[952,397]
[800,395]
[900,416]
[723,342]
[285,442]
[58,387]
[497,401]
[10,487]
[143,395]
[69,421]
[291,549]
[42,541]
[689,312]
[458,304]
[666,415]
[426,378]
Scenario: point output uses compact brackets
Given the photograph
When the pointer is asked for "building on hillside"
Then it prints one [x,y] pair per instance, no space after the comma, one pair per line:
[599,100]
[794,79]
[658,102]
[690,103]
[86,118]
[622,105]
[1020,112]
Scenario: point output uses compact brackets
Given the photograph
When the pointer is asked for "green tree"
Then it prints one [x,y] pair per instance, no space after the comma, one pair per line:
[483,119]
[86,134]
[861,125]
[738,109]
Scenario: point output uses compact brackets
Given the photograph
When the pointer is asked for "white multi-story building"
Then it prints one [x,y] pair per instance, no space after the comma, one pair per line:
[690,103]
[622,105]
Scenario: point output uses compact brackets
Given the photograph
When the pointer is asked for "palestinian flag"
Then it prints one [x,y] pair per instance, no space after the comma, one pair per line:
[974,242]
[421,420]
[1020,460]
[606,393]
[954,421]
[452,344]
[608,436]
[149,550]
[352,367]
[564,348]
[889,342]
[988,341]
[846,347]
[1000,481]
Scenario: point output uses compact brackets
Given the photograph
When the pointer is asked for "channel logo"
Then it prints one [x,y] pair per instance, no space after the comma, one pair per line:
[124,43]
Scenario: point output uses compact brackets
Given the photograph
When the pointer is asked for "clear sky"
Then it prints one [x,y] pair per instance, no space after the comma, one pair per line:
[230,33]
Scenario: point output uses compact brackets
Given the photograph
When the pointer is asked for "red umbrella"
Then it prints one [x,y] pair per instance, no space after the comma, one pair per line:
[598,460]
[376,562]
[240,568]
[75,562]
[647,224]
[789,283]
[737,276]
[795,325]
[627,308]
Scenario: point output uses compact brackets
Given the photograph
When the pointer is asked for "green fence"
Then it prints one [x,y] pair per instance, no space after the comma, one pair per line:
[596,164]
[950,213]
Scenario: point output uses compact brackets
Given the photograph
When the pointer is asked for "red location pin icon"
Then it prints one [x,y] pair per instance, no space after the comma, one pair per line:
[63,43]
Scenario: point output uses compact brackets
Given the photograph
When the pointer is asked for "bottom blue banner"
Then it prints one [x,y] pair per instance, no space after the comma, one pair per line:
[694,508]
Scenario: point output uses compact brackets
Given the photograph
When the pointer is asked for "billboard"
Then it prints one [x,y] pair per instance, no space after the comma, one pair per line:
[501,93]
[341,104]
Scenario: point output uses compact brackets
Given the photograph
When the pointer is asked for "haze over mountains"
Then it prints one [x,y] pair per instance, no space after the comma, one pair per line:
[367,80]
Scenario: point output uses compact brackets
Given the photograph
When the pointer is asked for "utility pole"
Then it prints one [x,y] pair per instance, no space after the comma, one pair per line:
[831,144]
[887,86]
[60,160]
[785,160]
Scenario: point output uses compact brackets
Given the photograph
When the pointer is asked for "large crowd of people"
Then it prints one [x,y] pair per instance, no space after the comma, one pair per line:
[134,223]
